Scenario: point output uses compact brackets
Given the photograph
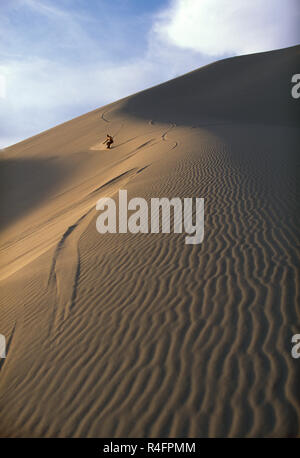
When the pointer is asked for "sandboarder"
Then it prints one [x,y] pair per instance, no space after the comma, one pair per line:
[109,140]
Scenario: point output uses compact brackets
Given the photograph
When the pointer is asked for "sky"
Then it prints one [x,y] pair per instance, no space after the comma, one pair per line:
[62,58]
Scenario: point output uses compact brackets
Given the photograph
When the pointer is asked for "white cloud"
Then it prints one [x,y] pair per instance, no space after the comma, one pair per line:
[2,86]
[218,27]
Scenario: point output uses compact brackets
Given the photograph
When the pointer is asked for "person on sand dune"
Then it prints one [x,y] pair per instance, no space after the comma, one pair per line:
[109,140]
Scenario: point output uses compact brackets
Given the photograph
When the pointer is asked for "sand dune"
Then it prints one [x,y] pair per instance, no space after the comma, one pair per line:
[141,335]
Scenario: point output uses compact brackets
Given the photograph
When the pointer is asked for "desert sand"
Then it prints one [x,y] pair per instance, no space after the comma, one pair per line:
[141,335]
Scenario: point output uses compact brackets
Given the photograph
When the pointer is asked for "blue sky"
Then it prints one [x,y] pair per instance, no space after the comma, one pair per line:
[63,58]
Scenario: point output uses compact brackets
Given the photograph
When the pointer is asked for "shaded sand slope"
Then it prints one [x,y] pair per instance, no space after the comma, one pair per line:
[141,335]
[254,88]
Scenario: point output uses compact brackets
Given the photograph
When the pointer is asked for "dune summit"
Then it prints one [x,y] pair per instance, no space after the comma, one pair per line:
[126,335]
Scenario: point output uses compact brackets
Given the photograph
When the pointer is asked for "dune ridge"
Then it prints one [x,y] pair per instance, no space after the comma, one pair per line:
[140,335]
